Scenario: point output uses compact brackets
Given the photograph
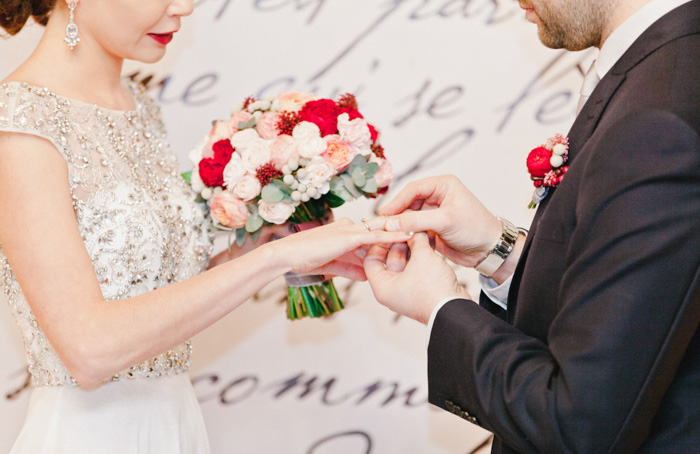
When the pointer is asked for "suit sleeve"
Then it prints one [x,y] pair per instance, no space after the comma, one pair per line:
[628,307]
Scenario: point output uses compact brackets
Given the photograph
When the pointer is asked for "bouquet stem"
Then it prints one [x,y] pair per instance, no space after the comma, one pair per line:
[317,298]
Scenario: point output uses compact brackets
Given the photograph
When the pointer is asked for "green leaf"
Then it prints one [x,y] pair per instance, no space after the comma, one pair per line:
[333,200]
[187,176]
[370,186]
[370,169]
[358,177]
[359,161]
[247,124]
[254,223]
[350,186]
[282,185]
[337,183]
[255,235]
[271,193]
[240,237]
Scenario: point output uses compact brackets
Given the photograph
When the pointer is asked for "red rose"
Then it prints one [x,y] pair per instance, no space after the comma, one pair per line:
[352,113]
[538,162]
[373,132]
[322,112]
[211,170]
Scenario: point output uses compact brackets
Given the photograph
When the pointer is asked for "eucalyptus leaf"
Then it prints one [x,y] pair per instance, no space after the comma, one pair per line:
[350,186]
[187,176]
[370,186]
[370,169]
[255,235]
[271,193]
[253,223]
[240,237]
[359,161]
[247,124]
[358,177]
[282,186]
[337,183]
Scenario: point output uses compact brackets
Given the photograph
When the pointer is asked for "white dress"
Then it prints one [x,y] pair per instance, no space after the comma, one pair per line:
[142,231]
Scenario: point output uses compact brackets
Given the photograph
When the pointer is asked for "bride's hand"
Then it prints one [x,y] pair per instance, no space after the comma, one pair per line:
[337,248]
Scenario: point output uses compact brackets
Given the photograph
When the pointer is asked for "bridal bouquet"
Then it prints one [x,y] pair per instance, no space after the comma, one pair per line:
[291,158]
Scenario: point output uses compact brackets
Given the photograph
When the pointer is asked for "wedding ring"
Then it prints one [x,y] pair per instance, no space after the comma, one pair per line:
[364,221]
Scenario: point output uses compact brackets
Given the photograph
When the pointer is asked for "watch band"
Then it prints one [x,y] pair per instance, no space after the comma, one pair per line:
[500,251]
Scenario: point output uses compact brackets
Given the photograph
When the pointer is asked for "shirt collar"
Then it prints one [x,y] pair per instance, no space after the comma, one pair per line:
[627,33]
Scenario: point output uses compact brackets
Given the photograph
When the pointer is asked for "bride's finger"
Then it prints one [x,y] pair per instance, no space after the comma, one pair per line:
[397,257]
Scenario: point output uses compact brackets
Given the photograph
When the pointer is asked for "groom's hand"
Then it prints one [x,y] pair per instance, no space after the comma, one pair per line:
[466,230]
[410,278]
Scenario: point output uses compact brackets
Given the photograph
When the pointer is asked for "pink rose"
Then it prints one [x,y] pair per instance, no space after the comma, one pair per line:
[282,149]
[242,116]
[229,210]
[292,101]
[385,174]
[355,132]
[267,125]
[338,153]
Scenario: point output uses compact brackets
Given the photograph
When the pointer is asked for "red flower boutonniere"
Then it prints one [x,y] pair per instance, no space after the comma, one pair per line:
[546,166]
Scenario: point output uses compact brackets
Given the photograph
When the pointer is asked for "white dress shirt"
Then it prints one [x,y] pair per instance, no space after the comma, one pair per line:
[613,49]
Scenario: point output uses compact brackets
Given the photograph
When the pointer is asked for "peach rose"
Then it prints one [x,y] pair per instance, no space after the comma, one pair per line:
[338,153]
[267,125]
[229,210]
[282,149]
[292,101]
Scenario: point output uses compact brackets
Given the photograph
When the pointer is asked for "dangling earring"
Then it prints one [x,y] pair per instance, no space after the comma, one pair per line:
[71,29]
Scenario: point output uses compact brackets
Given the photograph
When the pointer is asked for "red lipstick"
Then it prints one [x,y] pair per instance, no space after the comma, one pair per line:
[162,38]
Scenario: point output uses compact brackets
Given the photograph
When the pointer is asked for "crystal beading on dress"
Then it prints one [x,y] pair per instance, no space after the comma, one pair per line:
[135,214]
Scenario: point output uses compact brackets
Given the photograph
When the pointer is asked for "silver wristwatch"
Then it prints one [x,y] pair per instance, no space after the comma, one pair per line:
[500,251]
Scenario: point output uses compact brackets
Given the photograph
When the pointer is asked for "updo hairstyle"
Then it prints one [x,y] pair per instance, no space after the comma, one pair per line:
[15,13]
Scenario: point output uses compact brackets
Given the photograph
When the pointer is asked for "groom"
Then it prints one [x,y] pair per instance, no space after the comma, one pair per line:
[587,335]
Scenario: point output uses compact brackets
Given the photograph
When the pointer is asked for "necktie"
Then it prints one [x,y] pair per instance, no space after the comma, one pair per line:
[590,81]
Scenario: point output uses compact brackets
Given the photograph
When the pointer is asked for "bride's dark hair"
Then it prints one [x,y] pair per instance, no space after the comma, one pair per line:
[15,13]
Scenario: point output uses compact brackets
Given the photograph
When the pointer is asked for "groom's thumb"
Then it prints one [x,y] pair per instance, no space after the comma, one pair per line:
[409,221]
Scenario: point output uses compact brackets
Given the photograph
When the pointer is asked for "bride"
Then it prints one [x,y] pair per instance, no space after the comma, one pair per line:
[103,253]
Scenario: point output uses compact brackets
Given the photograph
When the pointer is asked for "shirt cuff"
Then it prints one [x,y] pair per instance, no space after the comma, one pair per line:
[437,307]
[495,292]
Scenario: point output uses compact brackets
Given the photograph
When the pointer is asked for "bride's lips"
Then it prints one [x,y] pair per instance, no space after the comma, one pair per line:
[162,38]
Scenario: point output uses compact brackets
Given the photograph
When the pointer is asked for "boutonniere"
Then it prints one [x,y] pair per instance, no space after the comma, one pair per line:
[546,166]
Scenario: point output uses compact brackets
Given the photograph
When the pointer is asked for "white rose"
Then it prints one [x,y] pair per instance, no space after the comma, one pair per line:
[306,130]
[247,188]
[318,172]
[196,181]
[308,140]
[255,154]
[234,171]
[196,154]
[244,138]
[275,213]
[355,132]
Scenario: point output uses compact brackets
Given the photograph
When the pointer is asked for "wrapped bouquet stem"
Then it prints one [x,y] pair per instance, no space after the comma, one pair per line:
[289,159]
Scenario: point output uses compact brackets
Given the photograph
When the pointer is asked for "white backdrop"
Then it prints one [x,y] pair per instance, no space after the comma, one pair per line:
[456,86]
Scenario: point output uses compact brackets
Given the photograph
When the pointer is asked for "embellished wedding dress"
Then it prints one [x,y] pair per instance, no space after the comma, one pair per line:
[142,231]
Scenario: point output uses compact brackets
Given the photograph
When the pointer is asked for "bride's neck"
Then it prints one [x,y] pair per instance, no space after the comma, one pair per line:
[88,73]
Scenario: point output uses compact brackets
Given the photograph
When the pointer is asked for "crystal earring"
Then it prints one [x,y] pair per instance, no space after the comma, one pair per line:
[71,29]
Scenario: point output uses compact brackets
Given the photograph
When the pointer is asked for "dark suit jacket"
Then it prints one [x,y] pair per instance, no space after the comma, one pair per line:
[599,350]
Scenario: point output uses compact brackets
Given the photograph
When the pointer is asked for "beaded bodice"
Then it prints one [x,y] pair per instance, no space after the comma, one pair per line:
[136,215]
